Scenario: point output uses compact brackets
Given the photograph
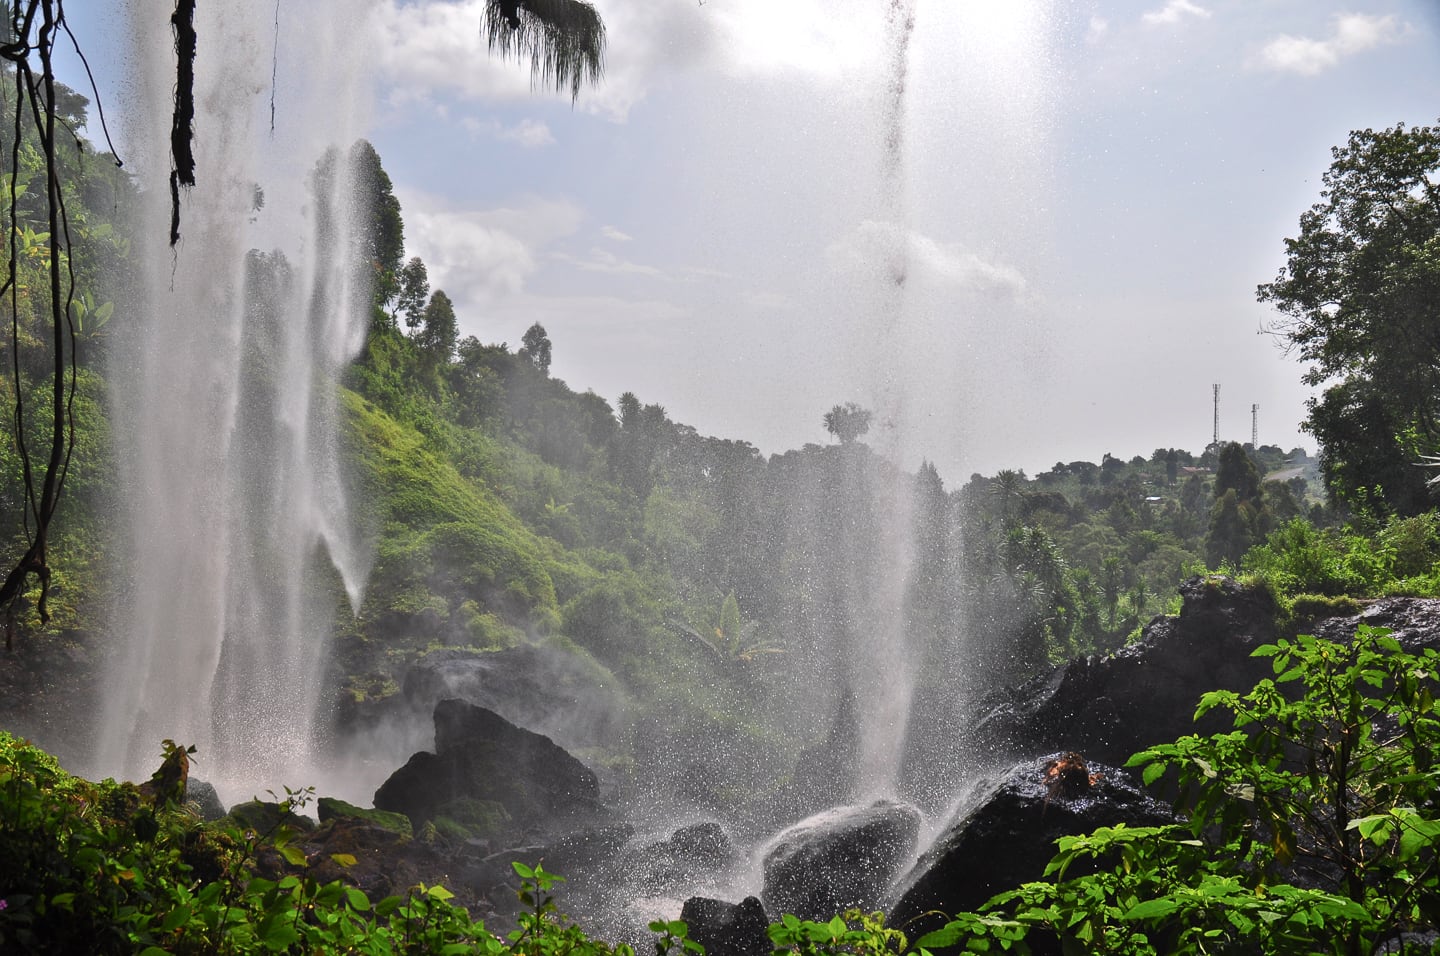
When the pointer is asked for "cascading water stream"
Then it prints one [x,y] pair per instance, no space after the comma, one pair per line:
[882,668]
[240,538]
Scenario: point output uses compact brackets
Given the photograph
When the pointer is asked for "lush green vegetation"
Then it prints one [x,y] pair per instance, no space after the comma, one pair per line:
[1312,827]
[715,591]
[115,868]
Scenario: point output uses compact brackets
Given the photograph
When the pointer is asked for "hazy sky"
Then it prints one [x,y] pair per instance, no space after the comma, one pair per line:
[1086,196]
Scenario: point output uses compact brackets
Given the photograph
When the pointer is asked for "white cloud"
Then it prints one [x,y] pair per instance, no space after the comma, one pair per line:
[615,235]
[482,255]
[529,133]
[771,301]
[1174,12]
[890,249]
[1098,28]
[1354,33]
[603,260]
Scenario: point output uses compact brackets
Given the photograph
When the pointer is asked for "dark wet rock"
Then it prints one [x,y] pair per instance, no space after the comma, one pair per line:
[728,929]
[378,861]
[1144,694]
[205,798]
[1414,622]
[841,858]
[1409,943]
[1004,834]
[704,845]
[824,770]
[587,859]
[690,855]
[481,756]
[544,689]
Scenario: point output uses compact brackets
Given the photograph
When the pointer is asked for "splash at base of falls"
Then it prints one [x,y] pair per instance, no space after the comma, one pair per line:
[238,545]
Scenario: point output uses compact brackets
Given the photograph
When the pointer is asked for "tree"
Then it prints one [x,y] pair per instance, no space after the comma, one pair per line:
[1359,299]
[1232,530]
[1237,471]
[382,240]
[439,329]
[847,422]
[414,292]
[536,348]
[1008,491]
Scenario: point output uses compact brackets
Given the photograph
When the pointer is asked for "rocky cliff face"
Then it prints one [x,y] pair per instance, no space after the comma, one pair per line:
[1144,694]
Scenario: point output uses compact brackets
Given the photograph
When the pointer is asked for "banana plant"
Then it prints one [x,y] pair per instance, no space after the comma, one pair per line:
[728,637]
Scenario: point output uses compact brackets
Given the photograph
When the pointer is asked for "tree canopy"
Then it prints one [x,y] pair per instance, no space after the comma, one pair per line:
[847,422]
[1359,299]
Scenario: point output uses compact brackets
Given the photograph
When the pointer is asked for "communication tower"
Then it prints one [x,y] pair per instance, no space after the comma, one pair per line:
[1254,426]
[1216,439]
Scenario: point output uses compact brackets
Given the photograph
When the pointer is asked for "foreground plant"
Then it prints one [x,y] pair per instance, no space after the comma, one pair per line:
[1313,826]
[115,868]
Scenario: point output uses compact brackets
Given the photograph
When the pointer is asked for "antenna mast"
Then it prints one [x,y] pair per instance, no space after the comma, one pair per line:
[1216,439]
[1254,426]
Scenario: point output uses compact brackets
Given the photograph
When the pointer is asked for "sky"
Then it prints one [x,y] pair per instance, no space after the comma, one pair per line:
[1083,198]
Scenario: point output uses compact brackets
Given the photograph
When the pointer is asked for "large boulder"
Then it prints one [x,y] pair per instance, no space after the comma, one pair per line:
[728,929]
[482,759]
[1145,693]
[845,857]
[1004,834]
[544,689]
[693,854]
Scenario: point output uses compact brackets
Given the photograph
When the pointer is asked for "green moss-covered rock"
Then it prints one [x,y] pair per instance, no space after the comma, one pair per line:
[335,809]
[265,818]
[473,819]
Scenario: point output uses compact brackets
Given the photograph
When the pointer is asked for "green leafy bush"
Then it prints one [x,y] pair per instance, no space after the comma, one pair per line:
[1313,826]
[105,868]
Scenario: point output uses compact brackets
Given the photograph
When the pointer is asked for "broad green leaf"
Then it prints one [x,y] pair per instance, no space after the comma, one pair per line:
[947,935]
[357,899]
[1152,909]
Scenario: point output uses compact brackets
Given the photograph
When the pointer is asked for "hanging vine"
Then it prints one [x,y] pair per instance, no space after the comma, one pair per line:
[33,29]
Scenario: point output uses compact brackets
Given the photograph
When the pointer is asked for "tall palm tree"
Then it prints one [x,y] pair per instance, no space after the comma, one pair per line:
[564,39]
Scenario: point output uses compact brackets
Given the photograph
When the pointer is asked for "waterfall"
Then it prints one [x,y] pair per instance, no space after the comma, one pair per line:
[883,669]
[238,536]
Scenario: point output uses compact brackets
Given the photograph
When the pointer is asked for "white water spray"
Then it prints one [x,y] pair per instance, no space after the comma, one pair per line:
[226,411]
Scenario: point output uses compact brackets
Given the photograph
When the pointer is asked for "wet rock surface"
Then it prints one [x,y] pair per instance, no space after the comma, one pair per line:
[728,929]
[844,857]
[484,759]
[1144,694]
[1003,834]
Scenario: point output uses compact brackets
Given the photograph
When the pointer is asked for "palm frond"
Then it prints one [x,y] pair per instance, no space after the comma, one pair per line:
[1431,461]
[563,39]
